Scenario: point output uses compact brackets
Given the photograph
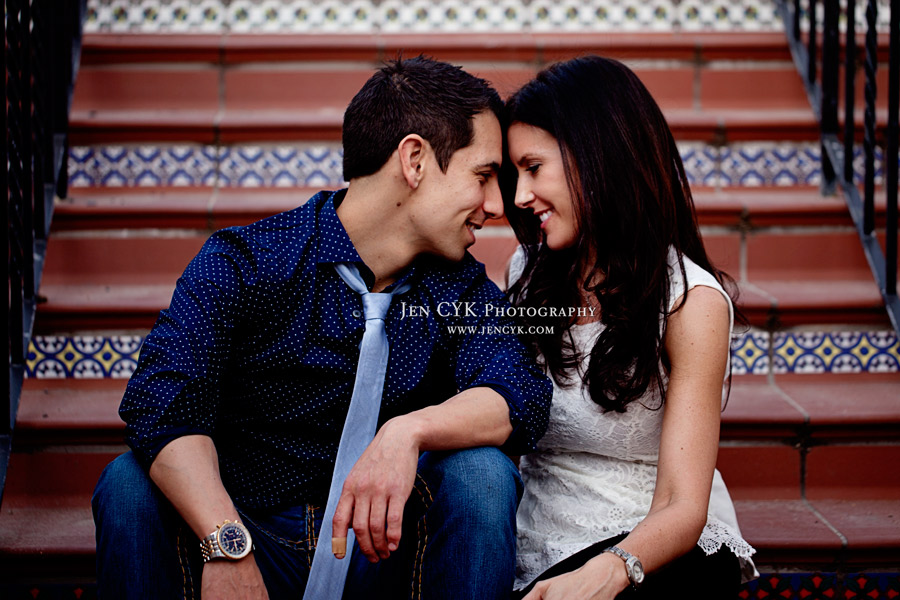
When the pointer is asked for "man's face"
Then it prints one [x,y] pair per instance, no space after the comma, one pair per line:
[456,203]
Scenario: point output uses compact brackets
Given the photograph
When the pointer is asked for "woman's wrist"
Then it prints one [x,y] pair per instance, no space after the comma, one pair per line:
[610,567]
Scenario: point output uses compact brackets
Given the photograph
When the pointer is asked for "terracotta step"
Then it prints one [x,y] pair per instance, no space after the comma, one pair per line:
[812,409]
[208,126]
[209,208]
[82,411]
[797,409]
[257,87]
[847,517]
[45,519]
[123,281]
[238,48]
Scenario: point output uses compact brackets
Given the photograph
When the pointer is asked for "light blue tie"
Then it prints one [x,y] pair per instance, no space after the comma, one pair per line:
[327,574]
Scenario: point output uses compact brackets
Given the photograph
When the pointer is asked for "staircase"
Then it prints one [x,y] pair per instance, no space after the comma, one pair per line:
[193,116]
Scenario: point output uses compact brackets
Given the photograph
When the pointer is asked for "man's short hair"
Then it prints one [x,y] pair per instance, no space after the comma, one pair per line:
[419,95]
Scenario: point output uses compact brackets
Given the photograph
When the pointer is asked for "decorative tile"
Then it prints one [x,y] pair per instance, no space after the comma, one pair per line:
[823,586]
[131,166]
[253,166]
[59,357]
[390,16]
[319,165]
[49,591]
[750,353]
[309,165]
[836,352]
[701,163]
[786,586]
[770,164]
[83,357]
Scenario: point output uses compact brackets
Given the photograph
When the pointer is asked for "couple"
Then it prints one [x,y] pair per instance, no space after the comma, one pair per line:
[250,415]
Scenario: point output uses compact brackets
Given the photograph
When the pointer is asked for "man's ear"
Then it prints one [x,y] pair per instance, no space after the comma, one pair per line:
[412,150]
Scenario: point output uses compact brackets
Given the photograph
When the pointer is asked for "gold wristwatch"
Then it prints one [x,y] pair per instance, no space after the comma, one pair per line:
[230,541]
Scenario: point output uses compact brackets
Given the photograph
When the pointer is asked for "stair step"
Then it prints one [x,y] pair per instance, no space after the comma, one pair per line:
[46,526]
[209,208]
[238,48]
[123,281]
[45,519]
[92,126]
[849,515]
[235,88]
[791,410]
[813,407]
[70,411]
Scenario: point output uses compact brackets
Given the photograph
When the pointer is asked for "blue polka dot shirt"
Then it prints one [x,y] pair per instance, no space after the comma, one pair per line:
[259,346]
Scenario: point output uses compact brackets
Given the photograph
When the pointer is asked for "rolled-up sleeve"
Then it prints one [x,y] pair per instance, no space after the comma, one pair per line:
[488,353]
[175,389]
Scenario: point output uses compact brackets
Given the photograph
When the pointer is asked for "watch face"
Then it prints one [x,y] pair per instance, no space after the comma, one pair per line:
[234,541]
[637,571]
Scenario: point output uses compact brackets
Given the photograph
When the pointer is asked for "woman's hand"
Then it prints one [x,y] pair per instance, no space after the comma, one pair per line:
[601,578]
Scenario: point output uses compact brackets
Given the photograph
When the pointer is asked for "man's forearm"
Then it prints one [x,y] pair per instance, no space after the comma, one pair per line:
[187,473]
[475,417]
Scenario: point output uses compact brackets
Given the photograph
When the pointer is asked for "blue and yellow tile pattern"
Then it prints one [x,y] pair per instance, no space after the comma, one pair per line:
[752,353]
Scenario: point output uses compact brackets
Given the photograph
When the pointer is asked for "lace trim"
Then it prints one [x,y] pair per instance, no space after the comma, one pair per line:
[717,533]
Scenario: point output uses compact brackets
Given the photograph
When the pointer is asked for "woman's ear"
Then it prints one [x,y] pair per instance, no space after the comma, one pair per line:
[412,150]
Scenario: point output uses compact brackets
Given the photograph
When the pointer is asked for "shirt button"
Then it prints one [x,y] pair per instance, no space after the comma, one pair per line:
[357,314]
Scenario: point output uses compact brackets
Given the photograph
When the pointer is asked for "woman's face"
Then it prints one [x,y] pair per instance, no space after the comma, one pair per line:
[542,186]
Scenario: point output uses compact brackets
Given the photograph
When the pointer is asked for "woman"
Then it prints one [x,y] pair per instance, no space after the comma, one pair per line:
[624,481]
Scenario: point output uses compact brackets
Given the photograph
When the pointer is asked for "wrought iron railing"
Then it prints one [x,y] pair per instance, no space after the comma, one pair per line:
[41,53]
[838,149]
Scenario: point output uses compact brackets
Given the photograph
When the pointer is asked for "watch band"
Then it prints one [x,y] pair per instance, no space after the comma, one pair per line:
[633,567]
[209,547]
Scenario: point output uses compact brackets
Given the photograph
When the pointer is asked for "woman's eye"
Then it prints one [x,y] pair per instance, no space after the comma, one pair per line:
[533,168]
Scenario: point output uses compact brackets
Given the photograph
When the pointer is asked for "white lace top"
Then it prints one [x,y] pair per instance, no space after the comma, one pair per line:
[594,473]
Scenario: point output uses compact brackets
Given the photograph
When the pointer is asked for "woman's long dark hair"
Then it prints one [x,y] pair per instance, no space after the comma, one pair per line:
[632,203]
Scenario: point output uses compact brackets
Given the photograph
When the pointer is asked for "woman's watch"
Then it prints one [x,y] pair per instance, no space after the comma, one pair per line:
[230,540]
[633,566]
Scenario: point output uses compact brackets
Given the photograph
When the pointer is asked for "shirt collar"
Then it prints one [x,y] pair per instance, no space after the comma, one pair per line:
[334,243]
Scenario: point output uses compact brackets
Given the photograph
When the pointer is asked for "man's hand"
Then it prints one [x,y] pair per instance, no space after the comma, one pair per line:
[226,580]
[376,490]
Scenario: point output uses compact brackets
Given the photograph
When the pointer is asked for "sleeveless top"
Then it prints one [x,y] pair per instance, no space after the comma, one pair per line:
[594,473]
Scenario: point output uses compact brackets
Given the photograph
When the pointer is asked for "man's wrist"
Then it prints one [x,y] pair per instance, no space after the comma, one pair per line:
[410,426]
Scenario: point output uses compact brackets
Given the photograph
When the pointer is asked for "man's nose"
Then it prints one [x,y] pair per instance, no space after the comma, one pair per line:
[493,201]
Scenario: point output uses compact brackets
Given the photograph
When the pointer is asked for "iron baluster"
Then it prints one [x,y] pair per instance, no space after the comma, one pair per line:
[871,89]
[891,151]
[850,91]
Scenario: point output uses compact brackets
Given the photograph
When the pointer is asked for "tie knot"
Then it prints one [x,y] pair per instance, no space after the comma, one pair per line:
[375,305]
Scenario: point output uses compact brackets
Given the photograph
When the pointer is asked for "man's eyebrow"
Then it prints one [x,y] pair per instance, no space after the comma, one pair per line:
[493,166]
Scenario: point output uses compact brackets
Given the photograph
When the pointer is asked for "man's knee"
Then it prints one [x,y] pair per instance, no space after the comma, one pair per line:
[124,494]
[483,479]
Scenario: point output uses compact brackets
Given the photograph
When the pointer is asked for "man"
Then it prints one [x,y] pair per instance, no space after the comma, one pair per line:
[237,406]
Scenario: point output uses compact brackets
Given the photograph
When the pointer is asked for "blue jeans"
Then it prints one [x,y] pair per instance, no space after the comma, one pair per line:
[458,538]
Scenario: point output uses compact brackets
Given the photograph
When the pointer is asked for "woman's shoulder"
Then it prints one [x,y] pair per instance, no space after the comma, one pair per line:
[517,263]
[694,275]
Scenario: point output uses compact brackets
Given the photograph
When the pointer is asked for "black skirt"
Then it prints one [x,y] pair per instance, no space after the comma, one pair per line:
[695,575]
